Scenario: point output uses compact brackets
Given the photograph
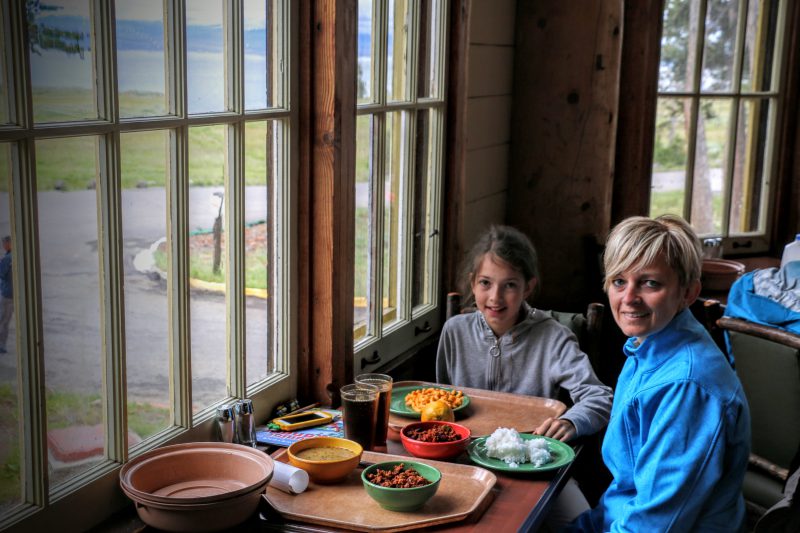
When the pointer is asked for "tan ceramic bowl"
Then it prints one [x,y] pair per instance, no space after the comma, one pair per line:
[326,471]
[203,486]
[719,274]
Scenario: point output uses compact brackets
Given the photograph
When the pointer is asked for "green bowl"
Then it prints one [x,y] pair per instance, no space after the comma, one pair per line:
[394,499]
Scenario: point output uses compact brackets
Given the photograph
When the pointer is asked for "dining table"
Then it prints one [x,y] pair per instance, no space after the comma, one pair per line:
[514,501]
[517,501]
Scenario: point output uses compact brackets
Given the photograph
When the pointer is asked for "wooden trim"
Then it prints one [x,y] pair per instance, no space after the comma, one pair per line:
[328,181]
[641,47]
[757,330]
[456,139]
[785,215]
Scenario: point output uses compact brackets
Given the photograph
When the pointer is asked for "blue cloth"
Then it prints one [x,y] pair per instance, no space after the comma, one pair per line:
[6,283]
[745,303]
[678,440]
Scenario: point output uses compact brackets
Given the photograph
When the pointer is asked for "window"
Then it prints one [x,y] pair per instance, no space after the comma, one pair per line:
[399,161]
[719,99]
[146,188]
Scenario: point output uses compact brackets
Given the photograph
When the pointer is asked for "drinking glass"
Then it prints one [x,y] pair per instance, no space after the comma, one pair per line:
[360,412]
[384,384]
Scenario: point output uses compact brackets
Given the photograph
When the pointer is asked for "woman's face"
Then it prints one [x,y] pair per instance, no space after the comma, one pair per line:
[644,300]
[499,292]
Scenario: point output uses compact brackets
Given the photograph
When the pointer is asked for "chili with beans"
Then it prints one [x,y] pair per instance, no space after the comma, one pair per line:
[434,434]
[398,478]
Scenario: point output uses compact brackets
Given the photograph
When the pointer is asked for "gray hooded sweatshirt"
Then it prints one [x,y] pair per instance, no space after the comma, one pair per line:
[535,357]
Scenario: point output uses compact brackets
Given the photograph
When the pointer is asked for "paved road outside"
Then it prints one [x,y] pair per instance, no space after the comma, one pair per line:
[69,259]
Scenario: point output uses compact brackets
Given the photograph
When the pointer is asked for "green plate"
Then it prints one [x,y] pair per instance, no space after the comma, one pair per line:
[399,407]
[562,454]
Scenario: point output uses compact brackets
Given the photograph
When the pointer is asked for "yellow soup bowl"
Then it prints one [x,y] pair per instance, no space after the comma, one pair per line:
[326,459]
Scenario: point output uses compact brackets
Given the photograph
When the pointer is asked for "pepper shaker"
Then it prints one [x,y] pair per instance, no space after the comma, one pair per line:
[226,424]
[245,422]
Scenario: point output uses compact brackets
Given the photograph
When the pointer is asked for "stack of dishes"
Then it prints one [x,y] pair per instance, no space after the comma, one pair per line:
[201,486]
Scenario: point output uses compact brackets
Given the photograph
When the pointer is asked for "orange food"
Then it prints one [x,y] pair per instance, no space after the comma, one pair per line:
[419,398]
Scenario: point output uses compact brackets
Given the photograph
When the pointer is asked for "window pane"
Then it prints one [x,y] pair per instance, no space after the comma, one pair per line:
[141,58]
[750,166]
[5,118]
[10,438]
[668,184]
[759,45]
[363,225]
[711,157]
[422,212]
[71,303]
[207,265]
[205,56]
[62,73]
[258,47]
[364,51]
[258,138]
[429,39]
[397,51]
[720,45]
[147,263]
[393,187]
[678,57]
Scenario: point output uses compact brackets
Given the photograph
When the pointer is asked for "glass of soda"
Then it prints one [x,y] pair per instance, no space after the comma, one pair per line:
[384,384]
[360,412]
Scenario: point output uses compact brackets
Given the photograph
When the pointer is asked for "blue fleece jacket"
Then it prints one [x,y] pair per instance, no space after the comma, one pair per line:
[678,440]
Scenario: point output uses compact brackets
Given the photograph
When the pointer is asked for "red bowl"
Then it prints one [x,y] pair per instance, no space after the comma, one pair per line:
[435,450]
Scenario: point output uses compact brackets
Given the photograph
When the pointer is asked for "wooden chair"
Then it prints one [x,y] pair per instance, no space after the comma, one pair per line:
[768,364]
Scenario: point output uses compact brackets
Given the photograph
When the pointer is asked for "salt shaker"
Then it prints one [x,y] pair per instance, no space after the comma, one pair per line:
[245,422]
[226,424]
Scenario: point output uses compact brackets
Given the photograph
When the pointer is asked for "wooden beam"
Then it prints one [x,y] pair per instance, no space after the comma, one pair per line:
[328,183]
[457,79]
[641,48]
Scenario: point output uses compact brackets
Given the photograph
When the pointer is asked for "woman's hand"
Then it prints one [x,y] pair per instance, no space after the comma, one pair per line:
[556,428]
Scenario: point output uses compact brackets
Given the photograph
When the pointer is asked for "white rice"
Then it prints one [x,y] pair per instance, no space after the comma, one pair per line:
[506,444]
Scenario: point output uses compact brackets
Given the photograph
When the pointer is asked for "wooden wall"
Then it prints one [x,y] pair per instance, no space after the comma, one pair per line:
[566,83]
[480,109]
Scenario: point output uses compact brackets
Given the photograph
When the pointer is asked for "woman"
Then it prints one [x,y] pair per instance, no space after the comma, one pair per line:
[678,440]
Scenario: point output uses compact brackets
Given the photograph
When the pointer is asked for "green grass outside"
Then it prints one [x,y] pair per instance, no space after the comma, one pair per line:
[64,409]
[71,161]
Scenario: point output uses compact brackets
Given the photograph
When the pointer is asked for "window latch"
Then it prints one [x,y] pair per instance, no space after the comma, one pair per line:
[424,329]
[371,360]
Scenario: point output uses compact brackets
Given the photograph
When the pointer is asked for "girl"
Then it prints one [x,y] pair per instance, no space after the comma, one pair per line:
[508,346]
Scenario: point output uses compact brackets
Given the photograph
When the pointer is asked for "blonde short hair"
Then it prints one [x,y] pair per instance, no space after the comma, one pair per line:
[636,242]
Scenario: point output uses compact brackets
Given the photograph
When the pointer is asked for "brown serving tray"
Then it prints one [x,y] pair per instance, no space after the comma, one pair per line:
[489,410]
[464,492]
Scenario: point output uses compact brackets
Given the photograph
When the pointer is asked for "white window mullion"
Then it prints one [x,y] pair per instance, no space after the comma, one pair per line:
[175,46]
[405,219]
[112,297]
[27,273]
[111,239]
[376,239]
[30,332]
[234,258]
[234,201]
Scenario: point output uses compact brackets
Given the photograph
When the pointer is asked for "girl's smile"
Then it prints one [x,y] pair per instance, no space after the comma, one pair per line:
[499,292]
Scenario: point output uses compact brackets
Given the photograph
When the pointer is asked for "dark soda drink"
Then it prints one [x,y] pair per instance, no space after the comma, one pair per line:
[360,413]
[384,384]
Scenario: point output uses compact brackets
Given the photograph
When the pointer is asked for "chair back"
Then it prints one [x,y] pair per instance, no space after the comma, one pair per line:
[768,365]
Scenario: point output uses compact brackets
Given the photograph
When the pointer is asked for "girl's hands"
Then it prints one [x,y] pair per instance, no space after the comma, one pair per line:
[556,428]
